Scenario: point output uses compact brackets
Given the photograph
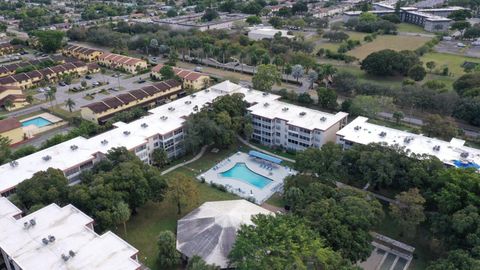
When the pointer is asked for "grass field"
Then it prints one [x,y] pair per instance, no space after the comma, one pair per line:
[396,43]
[411,28]
[452,61]
[152,218]
[334,46]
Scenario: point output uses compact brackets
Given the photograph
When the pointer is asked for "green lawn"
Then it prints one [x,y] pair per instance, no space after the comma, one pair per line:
[392,42]
[411,28]
[276,200]
[144,227]
[452,61]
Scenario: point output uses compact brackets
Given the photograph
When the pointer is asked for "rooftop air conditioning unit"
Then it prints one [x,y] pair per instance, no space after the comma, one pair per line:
[104,142]
[436,148]
[51,238]
[71,253]
[32,222]
[284,109]
[188,102]
[46,158]
[65,257]
[193,95]
[265,94]
[126,133]
[303,113]
[323,119]
[144,125]
[266,104]
[45,241]
[73,147]
[357,128]
[382,134]
[464,154]
[13,163]
[163,118]
[171,109]
[207,90]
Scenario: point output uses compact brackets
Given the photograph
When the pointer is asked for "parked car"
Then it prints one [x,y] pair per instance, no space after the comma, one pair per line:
[198,69]
[40,90]
[62,83]
[88,77]
[141,81]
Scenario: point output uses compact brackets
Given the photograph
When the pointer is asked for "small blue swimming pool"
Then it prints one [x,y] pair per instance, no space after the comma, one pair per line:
[37,121]
[241,172]
[461,164]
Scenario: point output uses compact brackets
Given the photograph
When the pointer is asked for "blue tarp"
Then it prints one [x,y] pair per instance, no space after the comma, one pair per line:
[257,154]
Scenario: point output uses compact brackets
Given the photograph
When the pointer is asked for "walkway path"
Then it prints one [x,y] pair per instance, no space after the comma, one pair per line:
[338,184]
[195,158]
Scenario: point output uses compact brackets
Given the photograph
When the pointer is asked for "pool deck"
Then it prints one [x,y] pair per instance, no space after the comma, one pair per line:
[33,130]
[243,189]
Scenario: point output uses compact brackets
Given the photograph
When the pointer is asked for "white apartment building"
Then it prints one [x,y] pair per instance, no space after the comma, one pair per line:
[59,238]
[453,153]
[163,128]
[288,126]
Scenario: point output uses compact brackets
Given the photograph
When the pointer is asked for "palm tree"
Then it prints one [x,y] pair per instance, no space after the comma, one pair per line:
[297,72]
[29,99]
[326,71]
[312,77]
[70,104]
[50,95]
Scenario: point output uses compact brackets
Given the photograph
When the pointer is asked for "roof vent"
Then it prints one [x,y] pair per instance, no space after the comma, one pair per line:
[14,163]
[164,118]
[26,225]
[265,94]
[193,95]
[436,148]
[71,253]
[65,257]
[207,90]
[45,241]
[171,109]
[188,102]
[144,125]
[464,154]
[32,222]
[104,142]
[51,238]
[284,109]
[265,104]
[126,133]
[323,119]
[382,134]
[46,158]
[73,147]
[357,128]
[303,113]
[408,139]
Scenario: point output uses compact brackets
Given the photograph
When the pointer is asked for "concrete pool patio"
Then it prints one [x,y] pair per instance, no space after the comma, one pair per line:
[275,173]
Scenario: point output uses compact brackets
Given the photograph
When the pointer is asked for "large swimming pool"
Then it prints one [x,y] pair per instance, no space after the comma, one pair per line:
[241,172]
[37,121]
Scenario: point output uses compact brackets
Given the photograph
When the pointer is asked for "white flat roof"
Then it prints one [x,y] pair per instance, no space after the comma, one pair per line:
[269,32]
[296,115]
[64,158]
[362,132]
[68,225]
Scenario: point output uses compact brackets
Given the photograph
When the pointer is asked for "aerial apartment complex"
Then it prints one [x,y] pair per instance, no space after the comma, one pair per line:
[82,53]
[453,153]
[431,19]
[148,96]
[10,69]
[12,97]
[194,21]
[190,79]
[163,128]
[59,238]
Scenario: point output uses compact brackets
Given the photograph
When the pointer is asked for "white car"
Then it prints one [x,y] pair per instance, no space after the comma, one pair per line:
[461,45]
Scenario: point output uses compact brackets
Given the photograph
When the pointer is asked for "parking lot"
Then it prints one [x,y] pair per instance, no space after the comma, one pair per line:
[454,48]
[120,84]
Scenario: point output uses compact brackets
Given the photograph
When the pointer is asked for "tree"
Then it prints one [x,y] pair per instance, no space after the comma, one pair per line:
[297,72]
[381,62]
[8,104]
[327,98]
[252,20]
[276,22]
[369,106]
[398,115]
[160,157]
[460,15]
[182,191]
[172,13]
[172,58]
[29,99]
[70,104]
[466,82]
[408,210]
[417,73]
[122,214]
[167,250]
[209,15]
[83,84]
[50,40]
[312,77]
[197,263]
[456,260]
[431,65]
[266,77]
[368,17]
[305,98]
[274,242]
[167,72]
[336,36]
[436,126]
[5,150]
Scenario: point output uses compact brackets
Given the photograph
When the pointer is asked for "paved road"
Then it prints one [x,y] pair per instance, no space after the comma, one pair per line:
[195,158]
[126,83]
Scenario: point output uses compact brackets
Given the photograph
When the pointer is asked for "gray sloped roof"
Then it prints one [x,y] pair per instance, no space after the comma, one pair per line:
[210,230]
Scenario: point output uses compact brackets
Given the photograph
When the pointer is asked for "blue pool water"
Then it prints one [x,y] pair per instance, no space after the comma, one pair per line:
[37,121]
[460,164]
[241,172]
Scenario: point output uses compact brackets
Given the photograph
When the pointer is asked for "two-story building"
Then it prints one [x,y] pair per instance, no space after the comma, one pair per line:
[190,79]
[82,53]
[125,63]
